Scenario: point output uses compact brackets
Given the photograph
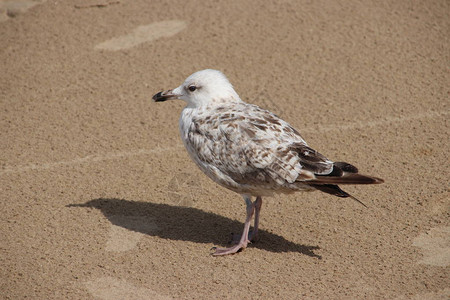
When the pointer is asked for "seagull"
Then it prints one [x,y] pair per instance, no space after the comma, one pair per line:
[250,150]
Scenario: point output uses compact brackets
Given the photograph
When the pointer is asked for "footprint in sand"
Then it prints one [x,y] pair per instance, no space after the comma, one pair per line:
[108,288]
[126,232]
[183,188]
[143,34]
[12,8]
[435,245]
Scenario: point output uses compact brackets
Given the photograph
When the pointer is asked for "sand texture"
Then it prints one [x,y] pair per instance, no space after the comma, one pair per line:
[99,199]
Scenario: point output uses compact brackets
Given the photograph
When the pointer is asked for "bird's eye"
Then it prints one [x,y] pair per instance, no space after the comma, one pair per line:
[192,88]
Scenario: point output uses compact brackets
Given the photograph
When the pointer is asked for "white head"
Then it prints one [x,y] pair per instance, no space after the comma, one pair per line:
[202,88]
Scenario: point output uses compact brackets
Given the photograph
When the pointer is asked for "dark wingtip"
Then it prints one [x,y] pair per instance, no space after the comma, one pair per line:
[365,179]
[340,167]
[157,97]
[346,178]
[377,180]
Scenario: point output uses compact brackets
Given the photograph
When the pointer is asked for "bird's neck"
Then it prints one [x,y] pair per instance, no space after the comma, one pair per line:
[215,102]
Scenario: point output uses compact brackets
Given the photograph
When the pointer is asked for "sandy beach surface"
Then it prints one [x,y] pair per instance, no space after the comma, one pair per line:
[99,199]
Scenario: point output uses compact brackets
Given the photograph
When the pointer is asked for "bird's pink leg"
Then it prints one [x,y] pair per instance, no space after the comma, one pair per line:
[254,234]
[244,237]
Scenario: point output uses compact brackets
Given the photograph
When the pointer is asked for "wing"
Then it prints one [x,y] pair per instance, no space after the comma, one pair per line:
[254,147]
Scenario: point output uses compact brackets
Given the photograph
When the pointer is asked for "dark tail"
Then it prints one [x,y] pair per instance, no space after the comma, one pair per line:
[346,178]
[343,173]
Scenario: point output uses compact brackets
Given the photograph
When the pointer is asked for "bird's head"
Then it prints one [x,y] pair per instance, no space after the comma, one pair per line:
[206,87]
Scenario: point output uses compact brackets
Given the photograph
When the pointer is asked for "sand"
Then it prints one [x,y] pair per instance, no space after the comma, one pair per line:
[100,200]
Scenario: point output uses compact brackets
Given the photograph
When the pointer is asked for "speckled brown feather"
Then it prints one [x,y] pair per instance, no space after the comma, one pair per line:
[252,151]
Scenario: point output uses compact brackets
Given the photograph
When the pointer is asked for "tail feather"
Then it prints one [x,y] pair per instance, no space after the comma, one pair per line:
[346,178]
[342,173]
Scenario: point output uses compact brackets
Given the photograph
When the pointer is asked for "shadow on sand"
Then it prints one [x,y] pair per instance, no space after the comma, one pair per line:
[187,224]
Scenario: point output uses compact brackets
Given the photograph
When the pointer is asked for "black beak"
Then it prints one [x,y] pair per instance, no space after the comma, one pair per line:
[163,96]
